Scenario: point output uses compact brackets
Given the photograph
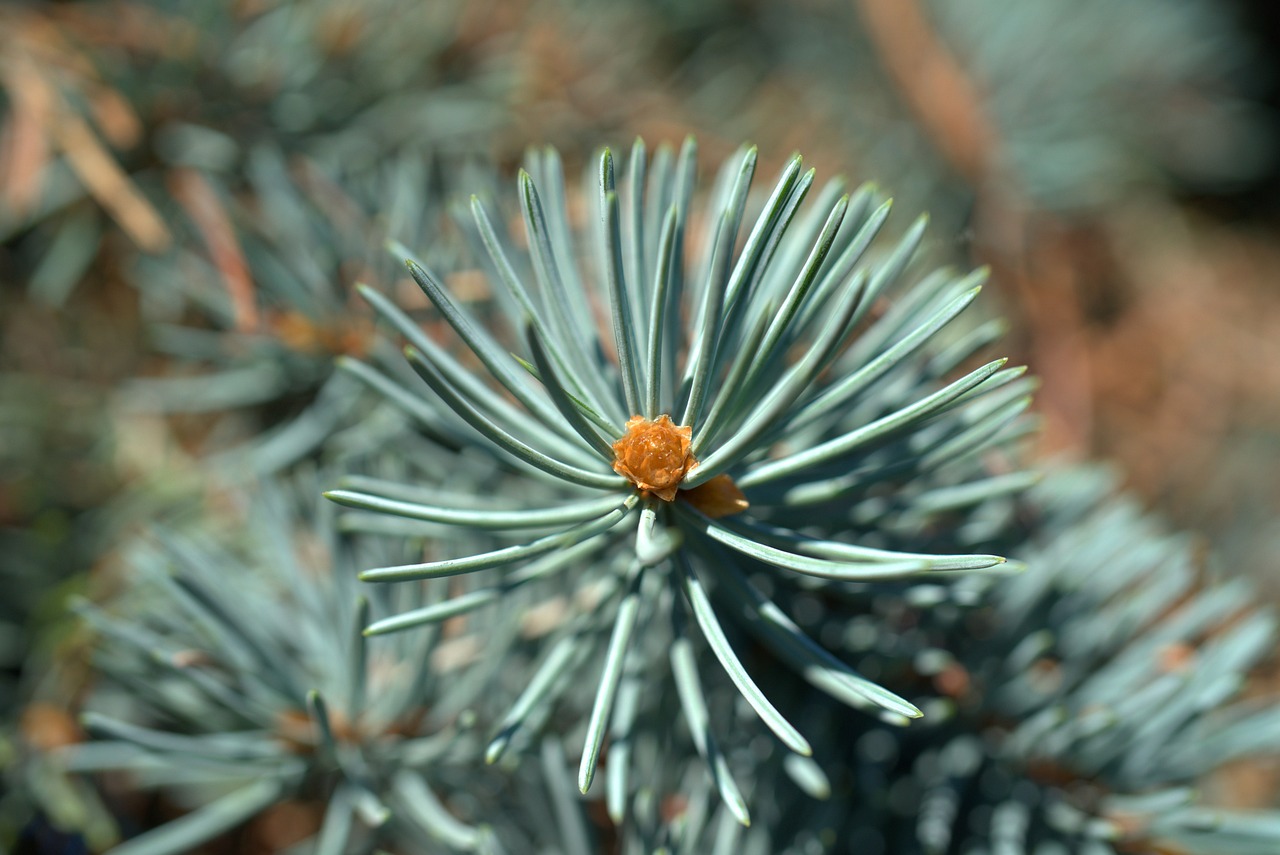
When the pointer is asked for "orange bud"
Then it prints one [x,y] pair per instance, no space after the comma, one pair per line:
[654,455]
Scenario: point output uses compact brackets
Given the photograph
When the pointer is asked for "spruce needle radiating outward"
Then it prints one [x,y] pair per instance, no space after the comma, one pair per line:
[712,392]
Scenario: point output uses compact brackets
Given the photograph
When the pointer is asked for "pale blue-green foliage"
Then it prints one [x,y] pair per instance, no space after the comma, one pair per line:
[846,405]
[306,236]
[233,674]
[1076,708]
[1071,708]
[349,85]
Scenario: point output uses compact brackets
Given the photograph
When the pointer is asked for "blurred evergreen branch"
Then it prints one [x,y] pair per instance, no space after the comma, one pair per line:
[264,300]
[226,682]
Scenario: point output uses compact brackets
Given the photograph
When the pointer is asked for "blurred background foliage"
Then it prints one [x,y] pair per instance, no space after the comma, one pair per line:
[1117,165]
